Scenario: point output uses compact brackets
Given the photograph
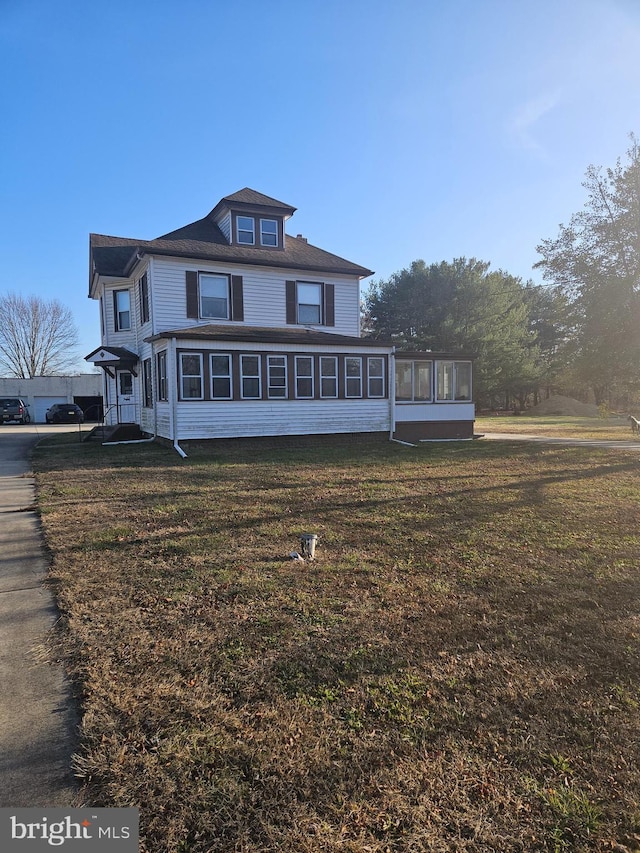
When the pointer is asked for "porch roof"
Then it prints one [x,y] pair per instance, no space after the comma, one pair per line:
[270,335]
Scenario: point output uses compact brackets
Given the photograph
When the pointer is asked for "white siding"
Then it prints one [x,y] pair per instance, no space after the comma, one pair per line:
[235,419]
[264,295]
[129,338]
[224,225]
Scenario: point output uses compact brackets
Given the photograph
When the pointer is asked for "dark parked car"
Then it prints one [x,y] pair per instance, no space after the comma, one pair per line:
[13,409]
[64,413]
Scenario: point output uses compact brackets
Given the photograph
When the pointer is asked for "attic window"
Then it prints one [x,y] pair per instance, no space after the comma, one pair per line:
[268,232]
[246,230]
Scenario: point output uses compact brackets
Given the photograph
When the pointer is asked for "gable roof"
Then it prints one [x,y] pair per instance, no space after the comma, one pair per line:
[203,240]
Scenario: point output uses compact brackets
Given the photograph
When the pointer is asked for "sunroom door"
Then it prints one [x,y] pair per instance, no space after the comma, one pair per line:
[127,403]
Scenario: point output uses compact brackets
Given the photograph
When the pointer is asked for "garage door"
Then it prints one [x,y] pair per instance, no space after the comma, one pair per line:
[41,404]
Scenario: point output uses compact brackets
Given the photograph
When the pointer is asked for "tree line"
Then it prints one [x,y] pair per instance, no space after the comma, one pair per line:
[578,334]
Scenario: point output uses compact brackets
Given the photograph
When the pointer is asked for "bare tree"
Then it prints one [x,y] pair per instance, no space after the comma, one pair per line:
[38,337]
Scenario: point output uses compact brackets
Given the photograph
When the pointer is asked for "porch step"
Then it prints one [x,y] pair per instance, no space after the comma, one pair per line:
[118,432]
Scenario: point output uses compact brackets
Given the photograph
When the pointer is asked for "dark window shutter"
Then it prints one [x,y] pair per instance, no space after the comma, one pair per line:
[329,305]
[144,298]
[291,302]
[237,298]
[192,295]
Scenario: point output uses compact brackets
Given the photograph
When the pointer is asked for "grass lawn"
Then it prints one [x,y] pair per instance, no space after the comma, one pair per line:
[559,426]
[457,670]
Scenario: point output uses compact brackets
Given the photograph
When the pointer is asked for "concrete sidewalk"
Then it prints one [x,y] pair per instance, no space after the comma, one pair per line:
[37,720]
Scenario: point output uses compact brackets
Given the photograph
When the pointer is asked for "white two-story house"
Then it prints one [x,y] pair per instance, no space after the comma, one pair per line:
[230,327]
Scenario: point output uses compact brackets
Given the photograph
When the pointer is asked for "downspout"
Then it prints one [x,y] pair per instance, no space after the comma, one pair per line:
[174,398]
[392,391]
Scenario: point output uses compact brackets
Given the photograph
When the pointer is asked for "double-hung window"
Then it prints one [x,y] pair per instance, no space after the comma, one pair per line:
[191,376]
[277,376]
[246,230]
[413,381]
[214,296]
[162,375]
[375,376]
[250,384]
[220,366]
[353,376]
[309,303]
[328,376]
[268,232]
[122,310]
[453,380]
[304,377]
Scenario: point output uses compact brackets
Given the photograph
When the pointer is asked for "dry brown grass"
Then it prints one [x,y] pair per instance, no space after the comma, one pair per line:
[614,428]
[457,671]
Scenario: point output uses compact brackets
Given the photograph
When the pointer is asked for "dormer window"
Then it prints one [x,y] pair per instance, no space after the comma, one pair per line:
[268,232]
[246,230]
[258,231]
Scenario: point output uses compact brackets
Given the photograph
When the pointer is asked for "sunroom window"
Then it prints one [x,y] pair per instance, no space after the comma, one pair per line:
[250,377]
[328,376]
[220,377]
[304,377]
[191,376]
[353,376]
[453,380]
[277,376]
[376,376]
[413,381]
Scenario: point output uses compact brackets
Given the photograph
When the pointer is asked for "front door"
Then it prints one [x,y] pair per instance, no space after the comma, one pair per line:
[126,398]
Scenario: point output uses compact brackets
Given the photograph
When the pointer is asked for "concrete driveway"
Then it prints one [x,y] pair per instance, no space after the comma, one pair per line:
[37,721]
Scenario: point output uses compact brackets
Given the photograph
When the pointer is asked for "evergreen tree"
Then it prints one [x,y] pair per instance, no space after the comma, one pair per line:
[461,307]
[596,261]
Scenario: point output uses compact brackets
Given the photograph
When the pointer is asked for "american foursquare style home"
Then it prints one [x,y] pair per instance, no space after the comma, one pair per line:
[231,327]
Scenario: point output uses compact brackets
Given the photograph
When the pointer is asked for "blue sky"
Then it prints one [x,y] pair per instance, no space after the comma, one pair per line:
[400,129]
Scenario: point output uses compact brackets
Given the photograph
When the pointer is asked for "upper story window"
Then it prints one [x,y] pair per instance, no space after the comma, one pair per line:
[246,230]
[309,303]
[268,232]
[214,297]
[122,310]
[257,231]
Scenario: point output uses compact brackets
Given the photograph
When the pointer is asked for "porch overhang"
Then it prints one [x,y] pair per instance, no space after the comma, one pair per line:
[111,359]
